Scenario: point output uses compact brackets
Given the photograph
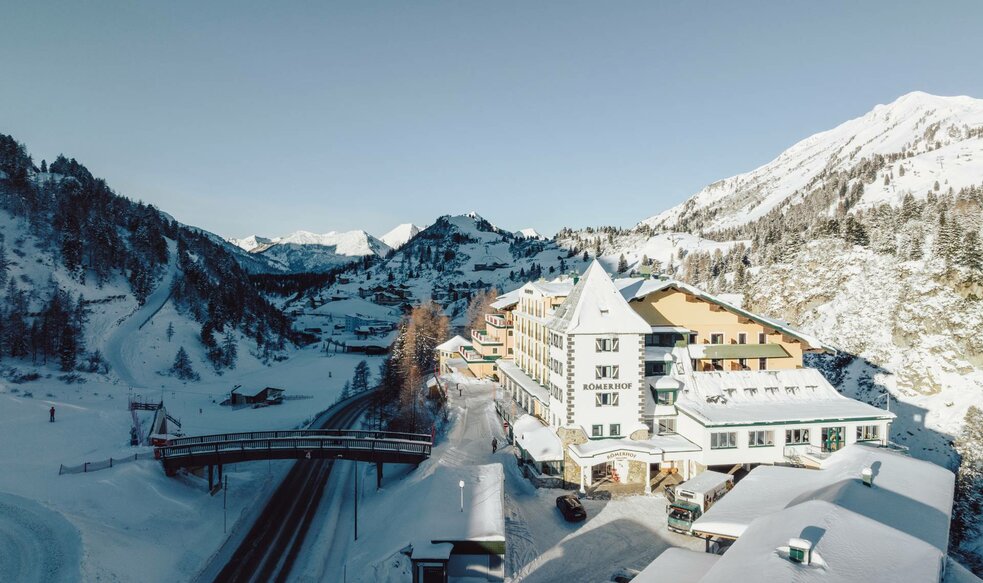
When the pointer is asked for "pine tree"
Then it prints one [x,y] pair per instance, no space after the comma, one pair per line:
[230,350]
[346,391]
[622,264]
[967,515]
[360,380]
[170,331]
[182,368]
[4,265]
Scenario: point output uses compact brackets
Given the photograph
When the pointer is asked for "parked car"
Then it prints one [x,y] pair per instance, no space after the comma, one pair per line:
[571,508]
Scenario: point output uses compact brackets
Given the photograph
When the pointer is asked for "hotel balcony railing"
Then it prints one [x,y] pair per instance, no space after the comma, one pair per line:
[495,320]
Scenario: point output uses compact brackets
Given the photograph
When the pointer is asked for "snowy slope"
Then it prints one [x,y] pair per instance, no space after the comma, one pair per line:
[529,233]
[399,235]
[303,251]
[935,133]
[445,262]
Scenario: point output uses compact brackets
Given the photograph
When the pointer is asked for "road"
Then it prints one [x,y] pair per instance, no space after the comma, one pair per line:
[270,549]
[115,346]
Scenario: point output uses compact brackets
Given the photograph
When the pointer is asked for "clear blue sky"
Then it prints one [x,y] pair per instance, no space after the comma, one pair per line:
[267,117]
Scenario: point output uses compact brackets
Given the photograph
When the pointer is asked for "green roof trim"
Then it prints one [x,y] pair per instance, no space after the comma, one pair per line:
[734,351]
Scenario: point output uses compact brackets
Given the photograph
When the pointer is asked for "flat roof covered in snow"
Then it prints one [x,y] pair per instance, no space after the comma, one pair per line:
[684,565]
[769,396]
[537,439]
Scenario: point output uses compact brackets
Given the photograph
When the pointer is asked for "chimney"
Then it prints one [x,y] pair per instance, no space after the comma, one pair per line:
[799,550]
[867,475]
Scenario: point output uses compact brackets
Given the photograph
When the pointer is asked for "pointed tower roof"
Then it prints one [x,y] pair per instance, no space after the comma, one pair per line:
[595,306]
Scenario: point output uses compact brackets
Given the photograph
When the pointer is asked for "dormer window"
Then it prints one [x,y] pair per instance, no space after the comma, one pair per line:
[791,390]
[750,392]
[771,390]
[730,392]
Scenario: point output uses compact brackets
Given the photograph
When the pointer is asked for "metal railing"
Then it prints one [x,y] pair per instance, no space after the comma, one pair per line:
[413,447]
[298,433]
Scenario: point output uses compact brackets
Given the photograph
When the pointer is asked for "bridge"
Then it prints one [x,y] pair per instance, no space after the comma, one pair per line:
[349,444]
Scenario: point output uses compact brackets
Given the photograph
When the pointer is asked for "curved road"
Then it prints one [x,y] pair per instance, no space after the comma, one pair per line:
[269,550]
[37,544]
[128,326]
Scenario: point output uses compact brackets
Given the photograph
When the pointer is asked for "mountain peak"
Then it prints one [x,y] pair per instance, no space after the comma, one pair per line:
[916,141]
[399,235]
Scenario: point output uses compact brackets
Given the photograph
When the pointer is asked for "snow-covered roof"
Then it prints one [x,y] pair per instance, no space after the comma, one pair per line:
[909,495]
[846,547]
[708,481]
[595,306]
[454,344]
[638,288]
[897,530]
[763,396]
[538,391]
[686,566]
[537,439]
[507,300]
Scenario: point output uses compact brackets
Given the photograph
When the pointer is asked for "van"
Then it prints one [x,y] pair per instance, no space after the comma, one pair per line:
[691,499]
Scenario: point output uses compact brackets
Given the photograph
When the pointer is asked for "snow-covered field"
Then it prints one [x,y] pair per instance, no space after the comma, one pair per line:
[541,547]
[131,522]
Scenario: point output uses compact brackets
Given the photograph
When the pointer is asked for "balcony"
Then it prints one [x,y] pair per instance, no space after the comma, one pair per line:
[496,320]
[482,337]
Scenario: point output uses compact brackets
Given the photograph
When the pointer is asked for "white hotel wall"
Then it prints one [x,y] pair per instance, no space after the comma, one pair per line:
[585,412]
[744,454]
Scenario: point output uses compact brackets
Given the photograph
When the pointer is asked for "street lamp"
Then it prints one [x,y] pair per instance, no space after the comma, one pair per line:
[887,403]
[461,485]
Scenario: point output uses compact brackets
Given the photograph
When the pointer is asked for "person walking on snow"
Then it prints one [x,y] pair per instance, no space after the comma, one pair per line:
[51,414]
[494,444]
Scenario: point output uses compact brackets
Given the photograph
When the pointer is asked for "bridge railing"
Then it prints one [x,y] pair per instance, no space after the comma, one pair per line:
[298,433]
[340,443]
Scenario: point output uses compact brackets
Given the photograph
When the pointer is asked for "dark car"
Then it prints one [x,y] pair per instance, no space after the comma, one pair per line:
[571,508]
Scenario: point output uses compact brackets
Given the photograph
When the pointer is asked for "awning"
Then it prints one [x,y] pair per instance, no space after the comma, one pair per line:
[721,351]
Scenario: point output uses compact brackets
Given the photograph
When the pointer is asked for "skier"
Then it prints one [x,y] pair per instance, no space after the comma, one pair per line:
[51,415]
[494,444]
[460,392]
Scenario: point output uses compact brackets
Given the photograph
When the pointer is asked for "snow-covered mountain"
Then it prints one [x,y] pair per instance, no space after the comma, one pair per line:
[926,139]
[529,233]
[867,235]
[448,261]
[399,235]
[303,251]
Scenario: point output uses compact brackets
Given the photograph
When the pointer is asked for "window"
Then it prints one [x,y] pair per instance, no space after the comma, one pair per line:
[665,397]
[760,438]
[717,364]
[494,351]
[596,430]
[796,436]
[615,429]
[606,399]
[716,339]
[723,440]
[762,338]
[750,392]
[868,432]
[762,364]
[665,339]
[655,368]
[606,372]
[667,425]
[606,345]
[742,337]
[692,337]
[742,364]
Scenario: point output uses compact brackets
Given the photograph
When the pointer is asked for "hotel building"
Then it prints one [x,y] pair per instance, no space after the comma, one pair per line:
[617,380]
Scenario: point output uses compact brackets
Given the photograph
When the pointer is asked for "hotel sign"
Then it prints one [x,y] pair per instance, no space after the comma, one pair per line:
[621,455]
[607,386]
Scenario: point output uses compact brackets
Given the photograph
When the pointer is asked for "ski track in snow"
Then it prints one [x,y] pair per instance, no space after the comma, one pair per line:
[113,350]
[36,544]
